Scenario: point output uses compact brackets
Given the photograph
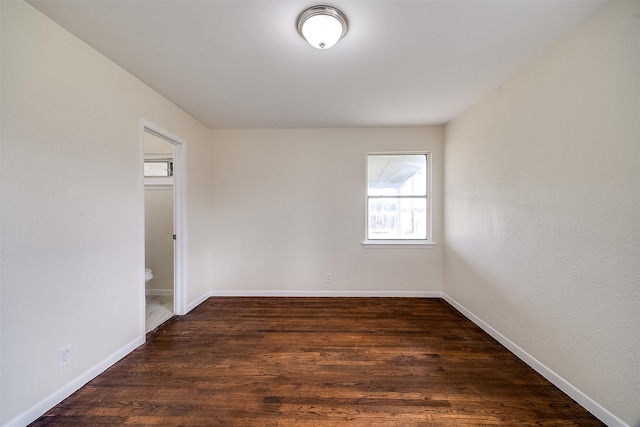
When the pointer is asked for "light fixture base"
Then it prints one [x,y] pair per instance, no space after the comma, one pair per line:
[318,25]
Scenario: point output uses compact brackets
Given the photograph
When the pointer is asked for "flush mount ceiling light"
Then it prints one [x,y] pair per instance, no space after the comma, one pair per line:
[322,26]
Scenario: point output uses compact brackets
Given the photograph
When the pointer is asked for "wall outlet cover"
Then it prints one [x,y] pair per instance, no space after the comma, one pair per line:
[64,356]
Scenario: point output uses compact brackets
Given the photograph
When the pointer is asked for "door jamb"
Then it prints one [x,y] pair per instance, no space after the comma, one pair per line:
[179,215]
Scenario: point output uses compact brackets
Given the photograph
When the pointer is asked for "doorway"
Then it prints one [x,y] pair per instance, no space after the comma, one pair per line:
[163,224]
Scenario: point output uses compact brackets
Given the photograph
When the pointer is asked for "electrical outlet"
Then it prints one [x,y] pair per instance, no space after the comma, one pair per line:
[64,356]
[328,278]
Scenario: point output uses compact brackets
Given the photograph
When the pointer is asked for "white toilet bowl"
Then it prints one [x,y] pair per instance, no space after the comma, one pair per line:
[148,275]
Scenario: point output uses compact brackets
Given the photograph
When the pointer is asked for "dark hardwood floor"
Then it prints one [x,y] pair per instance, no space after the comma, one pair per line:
[320,362]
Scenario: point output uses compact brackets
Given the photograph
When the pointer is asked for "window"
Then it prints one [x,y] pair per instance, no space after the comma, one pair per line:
[397,197]
[158,168]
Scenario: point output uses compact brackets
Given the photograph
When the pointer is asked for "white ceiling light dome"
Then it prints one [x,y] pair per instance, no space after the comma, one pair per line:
[322,26]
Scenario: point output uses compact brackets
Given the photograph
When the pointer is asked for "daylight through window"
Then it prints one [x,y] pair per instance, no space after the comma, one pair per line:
[158,168]
[397,197]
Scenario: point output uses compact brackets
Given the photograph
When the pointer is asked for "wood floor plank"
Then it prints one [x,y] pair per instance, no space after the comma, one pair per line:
[319,362]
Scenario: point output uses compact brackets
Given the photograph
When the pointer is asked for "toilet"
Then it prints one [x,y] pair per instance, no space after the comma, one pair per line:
[148,275]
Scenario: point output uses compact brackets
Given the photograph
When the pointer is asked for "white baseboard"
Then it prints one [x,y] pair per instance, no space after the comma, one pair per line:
[588,403]
[41,407]
[364,294]
[159,292]
[197,302]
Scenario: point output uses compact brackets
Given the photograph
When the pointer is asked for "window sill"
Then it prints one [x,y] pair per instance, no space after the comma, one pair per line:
[398,244]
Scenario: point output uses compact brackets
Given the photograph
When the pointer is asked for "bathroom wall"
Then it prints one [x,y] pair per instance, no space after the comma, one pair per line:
[289,206]
[541,210]
[71,210]
[158,223]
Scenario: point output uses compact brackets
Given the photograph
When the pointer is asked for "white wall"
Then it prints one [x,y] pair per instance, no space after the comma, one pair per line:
[158,219]
[158,228]
[542,208]
[289,206]
[71,208]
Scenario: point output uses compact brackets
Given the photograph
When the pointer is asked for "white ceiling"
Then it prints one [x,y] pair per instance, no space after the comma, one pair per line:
[241,64]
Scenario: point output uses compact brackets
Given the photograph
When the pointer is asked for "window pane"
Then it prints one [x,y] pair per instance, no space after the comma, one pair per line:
[156,169]
[401,174]
[397,218]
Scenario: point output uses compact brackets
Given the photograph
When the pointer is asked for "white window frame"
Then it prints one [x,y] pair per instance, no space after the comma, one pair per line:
[159,181]
[400,243]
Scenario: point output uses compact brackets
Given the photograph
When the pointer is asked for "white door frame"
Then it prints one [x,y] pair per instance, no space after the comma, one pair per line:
[179,215]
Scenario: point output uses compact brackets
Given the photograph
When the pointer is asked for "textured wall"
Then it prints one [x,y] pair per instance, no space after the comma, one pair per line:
[289,206]
[541,209]
[72,206]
